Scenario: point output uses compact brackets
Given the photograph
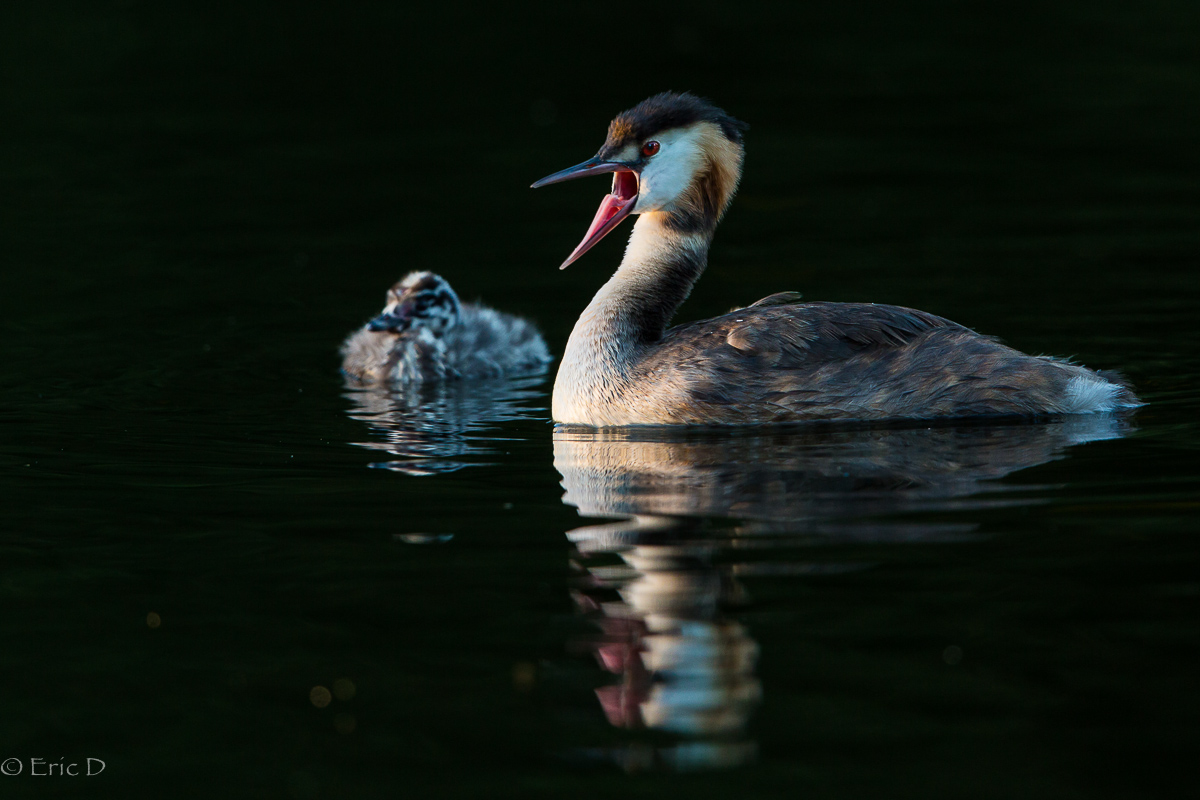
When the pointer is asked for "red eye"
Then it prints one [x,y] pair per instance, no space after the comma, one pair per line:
[650,148]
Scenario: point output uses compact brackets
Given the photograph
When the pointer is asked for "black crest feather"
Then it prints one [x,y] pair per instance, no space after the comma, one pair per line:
[665,111]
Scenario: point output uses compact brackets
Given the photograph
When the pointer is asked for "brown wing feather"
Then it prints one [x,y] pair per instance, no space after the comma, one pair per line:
[790,335]
[846,360]
[778,299]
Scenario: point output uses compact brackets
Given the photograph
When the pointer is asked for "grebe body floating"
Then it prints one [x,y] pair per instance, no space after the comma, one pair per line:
[426,334]
[676,160]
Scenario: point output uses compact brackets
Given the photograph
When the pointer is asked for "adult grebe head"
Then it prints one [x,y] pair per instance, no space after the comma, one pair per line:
[675,154]
[420,300]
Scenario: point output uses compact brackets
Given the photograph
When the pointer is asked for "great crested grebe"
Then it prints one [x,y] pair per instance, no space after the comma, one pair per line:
[676,160]
[426,334]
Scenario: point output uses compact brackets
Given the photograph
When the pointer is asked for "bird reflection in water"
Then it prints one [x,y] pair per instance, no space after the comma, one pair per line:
[700,512]
[440,427]
[683,667]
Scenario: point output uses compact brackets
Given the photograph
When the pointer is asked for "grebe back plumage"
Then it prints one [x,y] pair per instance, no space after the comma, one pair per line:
[676,161]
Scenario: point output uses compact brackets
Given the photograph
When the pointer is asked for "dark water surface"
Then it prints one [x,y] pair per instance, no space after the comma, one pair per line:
[224,572]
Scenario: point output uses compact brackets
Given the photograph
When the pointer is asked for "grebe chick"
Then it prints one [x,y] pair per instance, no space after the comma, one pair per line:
[676,161]
[426,334]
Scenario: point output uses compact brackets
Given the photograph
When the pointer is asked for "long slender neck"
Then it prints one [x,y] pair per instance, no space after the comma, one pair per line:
[630,312]
[660,267]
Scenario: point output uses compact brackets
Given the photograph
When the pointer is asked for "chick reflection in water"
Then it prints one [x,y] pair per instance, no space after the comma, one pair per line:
[684,666]
[440,427]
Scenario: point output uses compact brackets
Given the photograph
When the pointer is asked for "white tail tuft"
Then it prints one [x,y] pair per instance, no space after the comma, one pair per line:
[1088,394]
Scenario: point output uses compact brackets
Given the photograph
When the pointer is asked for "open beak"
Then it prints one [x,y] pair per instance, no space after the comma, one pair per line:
[394,319]
[615,207]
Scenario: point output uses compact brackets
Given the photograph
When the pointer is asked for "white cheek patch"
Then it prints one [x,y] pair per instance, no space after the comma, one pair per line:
[668,174]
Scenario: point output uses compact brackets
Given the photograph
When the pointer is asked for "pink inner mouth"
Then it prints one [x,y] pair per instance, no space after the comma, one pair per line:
[624,191]
[614,208]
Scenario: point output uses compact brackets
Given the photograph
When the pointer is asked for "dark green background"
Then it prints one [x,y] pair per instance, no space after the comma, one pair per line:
[200,200]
